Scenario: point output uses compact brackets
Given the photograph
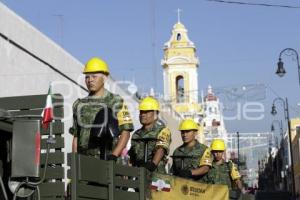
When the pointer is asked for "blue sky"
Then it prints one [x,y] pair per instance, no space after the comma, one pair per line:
[237,44]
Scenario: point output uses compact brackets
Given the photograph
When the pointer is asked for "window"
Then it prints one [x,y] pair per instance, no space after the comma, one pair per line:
[179,89]
[215,123]
[178,36]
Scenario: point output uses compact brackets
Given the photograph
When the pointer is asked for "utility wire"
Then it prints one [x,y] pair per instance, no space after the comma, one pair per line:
[255,4]
[36,57]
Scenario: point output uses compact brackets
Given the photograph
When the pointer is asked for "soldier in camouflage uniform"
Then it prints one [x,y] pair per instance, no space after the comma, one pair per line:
[196,156]
[101,118]
[158,135]
[222,172]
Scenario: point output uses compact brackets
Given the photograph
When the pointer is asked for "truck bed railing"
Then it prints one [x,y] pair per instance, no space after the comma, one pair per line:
[92,178]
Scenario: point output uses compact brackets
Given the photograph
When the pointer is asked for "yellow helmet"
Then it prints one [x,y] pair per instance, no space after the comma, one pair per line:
[149,103]
[96,65]
[188,124]
[217,145]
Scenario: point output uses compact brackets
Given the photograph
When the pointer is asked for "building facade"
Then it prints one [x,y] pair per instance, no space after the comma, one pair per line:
[295,133]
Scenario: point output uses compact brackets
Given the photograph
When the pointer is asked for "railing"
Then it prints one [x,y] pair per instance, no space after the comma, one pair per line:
[96,179]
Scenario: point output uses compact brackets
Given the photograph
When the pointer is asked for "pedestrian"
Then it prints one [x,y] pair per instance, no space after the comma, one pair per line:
[101,121]
[153,138]
[191,160]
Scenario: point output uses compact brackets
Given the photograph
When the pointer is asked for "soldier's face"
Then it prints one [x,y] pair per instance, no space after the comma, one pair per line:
[95,81]
[218,155]
[147,117]
[188,136]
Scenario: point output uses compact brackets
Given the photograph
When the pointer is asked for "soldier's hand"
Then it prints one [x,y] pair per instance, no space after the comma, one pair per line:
[149,166]
[185,173]
[112,157]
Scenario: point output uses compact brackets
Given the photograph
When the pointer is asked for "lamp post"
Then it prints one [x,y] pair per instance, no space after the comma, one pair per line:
[280,127]
[289,52]
[280,149]
[238,150]
[287,118]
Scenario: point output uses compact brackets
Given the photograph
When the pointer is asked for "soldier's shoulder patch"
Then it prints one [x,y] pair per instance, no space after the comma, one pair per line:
[164,137]
[164,133]
[235,174]
[124,116]
[207,154]
[206,158]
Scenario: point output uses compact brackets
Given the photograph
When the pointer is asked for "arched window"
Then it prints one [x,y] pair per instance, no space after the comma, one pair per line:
[178,36]
[179,89]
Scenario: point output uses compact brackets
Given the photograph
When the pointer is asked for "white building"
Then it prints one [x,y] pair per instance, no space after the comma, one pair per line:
[213,123]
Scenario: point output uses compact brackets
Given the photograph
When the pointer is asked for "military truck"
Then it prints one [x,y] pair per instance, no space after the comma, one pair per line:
[33,164]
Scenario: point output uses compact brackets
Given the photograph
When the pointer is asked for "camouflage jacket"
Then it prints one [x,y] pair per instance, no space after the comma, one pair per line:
[136,152]
[84,113]
[223,174]
[196,157]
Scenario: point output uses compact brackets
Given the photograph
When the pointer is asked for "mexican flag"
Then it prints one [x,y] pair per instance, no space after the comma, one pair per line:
[47,113]
[160,185]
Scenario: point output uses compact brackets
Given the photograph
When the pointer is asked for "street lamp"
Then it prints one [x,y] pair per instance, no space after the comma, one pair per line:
[289,52]
[287,118]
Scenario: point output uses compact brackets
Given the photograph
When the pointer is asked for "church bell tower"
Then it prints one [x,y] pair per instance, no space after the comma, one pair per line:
[180,64]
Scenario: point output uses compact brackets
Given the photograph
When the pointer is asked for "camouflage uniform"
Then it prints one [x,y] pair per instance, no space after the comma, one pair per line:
[200,154]
[136,152]
[223,174]
[84,112]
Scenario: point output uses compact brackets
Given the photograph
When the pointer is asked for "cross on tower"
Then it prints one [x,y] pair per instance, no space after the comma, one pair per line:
[178,15]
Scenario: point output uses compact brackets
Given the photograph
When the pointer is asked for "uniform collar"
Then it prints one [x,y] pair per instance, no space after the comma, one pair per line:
[214,163]
[105,94]
[155,125]
[182,147]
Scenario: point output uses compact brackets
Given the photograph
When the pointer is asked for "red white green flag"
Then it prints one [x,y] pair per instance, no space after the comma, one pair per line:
[160,185]
[48,111]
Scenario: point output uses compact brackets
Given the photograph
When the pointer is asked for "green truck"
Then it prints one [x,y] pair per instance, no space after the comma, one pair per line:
[33,164]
